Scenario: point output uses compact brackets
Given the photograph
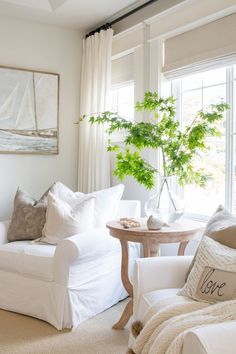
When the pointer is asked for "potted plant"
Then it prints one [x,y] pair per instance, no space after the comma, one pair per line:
[177,148]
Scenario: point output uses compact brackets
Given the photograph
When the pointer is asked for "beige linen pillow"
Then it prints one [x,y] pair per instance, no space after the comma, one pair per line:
[28,218]
[222,228]
[63,220]
[213,276]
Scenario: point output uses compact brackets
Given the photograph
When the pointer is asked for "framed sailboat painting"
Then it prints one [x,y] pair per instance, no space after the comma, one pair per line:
[29,109]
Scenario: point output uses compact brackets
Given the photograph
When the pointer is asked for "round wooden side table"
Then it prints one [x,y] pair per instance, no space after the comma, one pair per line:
[180,232]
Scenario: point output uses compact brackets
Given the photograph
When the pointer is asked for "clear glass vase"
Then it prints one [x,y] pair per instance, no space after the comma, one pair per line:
[165,205]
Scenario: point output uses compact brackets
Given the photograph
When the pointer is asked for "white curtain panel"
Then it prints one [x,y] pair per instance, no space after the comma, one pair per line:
[94,160]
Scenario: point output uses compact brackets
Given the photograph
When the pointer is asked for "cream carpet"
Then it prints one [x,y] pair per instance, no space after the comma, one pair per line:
[25,335]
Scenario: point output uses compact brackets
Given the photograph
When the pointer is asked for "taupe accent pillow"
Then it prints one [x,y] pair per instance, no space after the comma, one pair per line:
[28,218]
[213,276]
[222,228]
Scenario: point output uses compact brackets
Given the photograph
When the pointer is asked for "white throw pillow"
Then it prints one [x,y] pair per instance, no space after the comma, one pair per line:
[213,276]
[106,203]
[221,227]
[64,220]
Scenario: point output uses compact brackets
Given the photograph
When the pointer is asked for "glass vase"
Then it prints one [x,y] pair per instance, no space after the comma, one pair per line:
[165,205]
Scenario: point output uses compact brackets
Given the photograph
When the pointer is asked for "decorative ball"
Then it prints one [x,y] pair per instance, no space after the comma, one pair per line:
[130,351]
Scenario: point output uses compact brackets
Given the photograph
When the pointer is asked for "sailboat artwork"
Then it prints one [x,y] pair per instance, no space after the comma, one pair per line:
[28,111]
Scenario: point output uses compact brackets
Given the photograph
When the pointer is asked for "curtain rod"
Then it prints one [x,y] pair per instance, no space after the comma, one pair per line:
[122,17]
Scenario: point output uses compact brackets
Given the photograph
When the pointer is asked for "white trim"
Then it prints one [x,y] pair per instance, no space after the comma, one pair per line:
[191,25]
[146,54]
[171,10]
[128,31]
[128,40]
[197,217]
[125,52]
[215,7]
[229,140]
[205,86]
[176,24]
[122,84]
[139,68]
[199,66]
[155,64]
[183,17]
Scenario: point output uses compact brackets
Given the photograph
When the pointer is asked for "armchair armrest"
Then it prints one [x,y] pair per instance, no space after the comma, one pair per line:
[159,273]
[3,231]
[215,338]
[82,248]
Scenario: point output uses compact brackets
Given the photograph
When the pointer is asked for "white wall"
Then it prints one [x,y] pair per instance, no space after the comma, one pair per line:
[42,47]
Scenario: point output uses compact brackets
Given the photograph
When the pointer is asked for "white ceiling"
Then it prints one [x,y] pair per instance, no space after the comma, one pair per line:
[81,14]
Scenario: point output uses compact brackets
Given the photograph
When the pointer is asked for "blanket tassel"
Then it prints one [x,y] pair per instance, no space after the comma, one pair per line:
[136,328]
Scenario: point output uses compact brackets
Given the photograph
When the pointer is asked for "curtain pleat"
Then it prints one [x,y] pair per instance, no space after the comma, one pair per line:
[94,160]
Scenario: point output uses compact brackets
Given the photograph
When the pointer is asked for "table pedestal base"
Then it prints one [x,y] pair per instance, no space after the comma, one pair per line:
[127,313]
[150,249]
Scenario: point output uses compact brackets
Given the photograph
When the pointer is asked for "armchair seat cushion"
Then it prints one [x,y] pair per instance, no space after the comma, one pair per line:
[28,259]
[150,298]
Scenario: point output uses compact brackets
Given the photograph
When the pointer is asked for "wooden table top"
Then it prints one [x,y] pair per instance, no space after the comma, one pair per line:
[180,231]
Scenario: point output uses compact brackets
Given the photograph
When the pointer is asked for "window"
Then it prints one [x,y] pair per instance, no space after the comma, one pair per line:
[195,92]
[122,100]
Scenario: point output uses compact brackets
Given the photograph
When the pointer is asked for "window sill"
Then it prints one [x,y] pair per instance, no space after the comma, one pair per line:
[197,217]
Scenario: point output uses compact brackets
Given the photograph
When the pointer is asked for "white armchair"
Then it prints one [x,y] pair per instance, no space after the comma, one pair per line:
[67,283]
[161,277]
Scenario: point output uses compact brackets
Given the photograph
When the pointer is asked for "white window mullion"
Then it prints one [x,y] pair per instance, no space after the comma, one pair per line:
[229,141]
[176,91]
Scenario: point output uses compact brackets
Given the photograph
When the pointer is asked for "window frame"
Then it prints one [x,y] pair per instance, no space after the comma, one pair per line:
[230,133]
[122,85]
[119,136]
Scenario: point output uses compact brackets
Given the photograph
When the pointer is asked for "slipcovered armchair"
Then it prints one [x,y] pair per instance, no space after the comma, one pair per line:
[160,278]
[68,283]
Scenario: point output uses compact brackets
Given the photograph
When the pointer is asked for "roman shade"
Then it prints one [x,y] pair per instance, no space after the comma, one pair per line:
[209,46]
[122,69]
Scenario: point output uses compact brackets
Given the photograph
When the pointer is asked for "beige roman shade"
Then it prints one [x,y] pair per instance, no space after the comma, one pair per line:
[211,45]
[122,69]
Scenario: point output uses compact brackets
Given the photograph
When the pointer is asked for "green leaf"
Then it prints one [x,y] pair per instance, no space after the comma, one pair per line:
[162,133]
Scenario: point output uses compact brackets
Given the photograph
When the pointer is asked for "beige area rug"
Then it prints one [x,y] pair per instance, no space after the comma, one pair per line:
[25,335]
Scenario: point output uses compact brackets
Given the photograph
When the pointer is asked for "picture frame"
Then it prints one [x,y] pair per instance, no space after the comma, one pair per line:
[29,111]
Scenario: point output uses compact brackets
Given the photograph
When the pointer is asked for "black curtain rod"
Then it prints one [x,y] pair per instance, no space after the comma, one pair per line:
[108,25]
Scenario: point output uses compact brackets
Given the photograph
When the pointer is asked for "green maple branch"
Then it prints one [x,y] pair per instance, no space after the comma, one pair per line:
[178,147]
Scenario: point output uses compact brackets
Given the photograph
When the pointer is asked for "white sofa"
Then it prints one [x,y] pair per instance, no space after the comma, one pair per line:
[68,283]
[162,277]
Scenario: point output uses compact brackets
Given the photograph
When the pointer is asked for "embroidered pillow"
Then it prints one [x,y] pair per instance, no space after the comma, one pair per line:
[28,218]
[222,228]
[106,203]
[63,220]
[213,276]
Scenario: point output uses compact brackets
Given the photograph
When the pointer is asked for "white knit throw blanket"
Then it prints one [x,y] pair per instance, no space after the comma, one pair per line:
[167,322]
